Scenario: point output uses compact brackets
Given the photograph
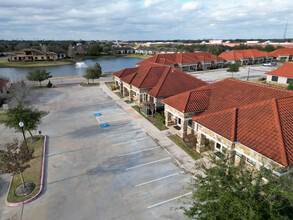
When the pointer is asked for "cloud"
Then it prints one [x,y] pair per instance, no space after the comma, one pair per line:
[148,3]
[144,19]
[189,6]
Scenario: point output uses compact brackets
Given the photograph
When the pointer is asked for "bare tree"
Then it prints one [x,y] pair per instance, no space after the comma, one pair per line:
[15,160]
[18,91]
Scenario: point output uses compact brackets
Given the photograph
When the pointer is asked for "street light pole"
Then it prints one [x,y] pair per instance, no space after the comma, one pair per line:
[21,126]
[248,73]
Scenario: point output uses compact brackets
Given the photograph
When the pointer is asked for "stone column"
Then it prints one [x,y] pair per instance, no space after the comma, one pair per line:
[130,95]
[167,118]
[184,124]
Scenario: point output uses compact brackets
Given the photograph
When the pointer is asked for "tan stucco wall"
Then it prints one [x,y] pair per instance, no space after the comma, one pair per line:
[281,80]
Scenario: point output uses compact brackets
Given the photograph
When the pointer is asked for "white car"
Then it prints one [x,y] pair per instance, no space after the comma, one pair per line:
[269,64]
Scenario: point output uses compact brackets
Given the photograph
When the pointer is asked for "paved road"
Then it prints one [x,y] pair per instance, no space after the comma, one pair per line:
[116,172]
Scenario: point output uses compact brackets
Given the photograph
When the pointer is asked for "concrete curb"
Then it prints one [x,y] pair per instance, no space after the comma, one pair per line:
[41,185]
[45,114]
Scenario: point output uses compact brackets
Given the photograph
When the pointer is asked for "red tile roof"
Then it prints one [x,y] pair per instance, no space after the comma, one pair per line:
[174,81]
[240,54]
[285,70]
[282,51]
[172,59]
[226,94]
[259,117]
[190,101]
[266,127]
[163,81]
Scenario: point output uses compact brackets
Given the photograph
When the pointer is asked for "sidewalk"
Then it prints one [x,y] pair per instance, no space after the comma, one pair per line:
[161,137]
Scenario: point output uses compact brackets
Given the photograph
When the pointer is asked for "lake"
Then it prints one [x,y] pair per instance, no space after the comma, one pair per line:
[108,65]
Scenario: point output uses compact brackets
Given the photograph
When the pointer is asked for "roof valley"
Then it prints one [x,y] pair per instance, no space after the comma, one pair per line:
[280,133]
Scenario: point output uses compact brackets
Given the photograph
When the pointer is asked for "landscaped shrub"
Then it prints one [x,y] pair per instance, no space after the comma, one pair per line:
[2,101]
[49,85]
[290,86]
[160,118]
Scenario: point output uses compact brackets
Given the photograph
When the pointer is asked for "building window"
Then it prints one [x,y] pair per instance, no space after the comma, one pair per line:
[179,121]
[289,80]
[250,162]
[275,78]
[218,146]
[190,123]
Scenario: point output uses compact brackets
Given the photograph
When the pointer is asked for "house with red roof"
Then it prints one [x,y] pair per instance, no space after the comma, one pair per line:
[285,54]
[153,82]
[250,123]
[245,57]
[187,62]
[283,75]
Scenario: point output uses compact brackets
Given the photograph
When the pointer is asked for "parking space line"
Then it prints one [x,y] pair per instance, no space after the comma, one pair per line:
[98,120]
[169,200]
[126,142]
[135,152]
[145,164]
[115,135]
[164,177]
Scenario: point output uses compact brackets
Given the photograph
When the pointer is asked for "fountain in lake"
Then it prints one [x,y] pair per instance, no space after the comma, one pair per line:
[80,65]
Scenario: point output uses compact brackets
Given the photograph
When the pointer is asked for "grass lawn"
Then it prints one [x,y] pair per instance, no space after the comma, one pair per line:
[179,141]
[32,174]
[128,102]
[143,56]
[160,126]
[90,84]
[119,95]
[6,63]
[2,118]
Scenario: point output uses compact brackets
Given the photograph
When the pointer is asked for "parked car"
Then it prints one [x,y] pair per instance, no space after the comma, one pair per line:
[270,64]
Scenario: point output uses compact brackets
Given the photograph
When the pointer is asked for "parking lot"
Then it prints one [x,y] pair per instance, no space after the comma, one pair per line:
[254,71]
[100,172]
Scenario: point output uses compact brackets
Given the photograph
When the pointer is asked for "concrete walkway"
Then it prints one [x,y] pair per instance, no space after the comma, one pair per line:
[161,137]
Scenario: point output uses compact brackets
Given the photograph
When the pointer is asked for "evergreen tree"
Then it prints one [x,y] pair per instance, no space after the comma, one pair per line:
[233,68]
[93,72]
[225,191]
[38,75]
[31,118]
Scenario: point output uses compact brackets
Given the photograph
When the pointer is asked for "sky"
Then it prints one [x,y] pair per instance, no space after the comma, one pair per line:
[144,19]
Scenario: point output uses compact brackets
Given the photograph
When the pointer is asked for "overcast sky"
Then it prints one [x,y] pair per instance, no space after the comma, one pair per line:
[144,19]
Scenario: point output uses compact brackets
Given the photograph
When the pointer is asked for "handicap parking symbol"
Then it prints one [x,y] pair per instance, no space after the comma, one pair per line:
[97,114]
[104,125]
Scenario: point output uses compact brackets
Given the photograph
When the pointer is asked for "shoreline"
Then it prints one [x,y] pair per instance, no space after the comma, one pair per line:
[4,63]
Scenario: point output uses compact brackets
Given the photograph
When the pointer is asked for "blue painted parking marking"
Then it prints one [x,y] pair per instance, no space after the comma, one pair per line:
[97,114]
[104,125]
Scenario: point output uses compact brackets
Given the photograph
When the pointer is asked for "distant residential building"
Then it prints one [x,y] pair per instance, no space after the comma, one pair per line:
[33,55]
[187,62]
[215,41]
[282,75]
[80,49]
[123,50]
[245,57]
